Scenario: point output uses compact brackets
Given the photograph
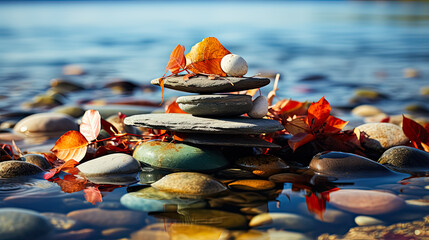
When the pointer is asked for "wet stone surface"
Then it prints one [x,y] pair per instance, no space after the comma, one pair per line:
[216,105]
[202,84]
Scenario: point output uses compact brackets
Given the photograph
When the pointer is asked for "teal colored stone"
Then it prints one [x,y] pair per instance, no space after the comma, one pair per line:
[153,200]
[179,156]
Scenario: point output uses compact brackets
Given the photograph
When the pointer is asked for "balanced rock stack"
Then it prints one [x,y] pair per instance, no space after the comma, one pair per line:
[214,120]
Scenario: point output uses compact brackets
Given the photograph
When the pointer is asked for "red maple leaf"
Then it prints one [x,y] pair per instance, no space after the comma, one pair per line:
[418,135]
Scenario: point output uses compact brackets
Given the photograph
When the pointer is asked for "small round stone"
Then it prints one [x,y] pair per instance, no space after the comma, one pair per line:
[367,221]
[116,163]
[366,111]
[262,165]
[38,160]
[406,158]
[107,218]
[252,185]
[46,124]
[340,164]
[189,183]
[197,232]
[382,136]
[215,105]
[10,169]
[287,221]
[214,218]
[234,65]
[260,108]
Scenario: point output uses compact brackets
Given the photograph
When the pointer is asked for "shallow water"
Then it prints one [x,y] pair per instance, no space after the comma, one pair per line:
[355,45]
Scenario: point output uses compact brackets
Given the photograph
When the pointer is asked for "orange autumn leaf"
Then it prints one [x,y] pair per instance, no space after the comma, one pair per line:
[300,139]
[296,125]
[161,84]
[68,166]
[334,125]
[417,134]
[71,145]
[173,108]
[71,184]
[316,202]
[318,112]
[93,195]
[205,57]
[177,60]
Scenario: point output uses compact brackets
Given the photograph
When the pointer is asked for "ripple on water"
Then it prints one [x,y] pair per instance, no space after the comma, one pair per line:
[20,188]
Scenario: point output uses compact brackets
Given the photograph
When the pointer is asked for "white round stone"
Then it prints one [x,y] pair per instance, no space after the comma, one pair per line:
[116,163]
[260,108]
[234,65]
[367,221]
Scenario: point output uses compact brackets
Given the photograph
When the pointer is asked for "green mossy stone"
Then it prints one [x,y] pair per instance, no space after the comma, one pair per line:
[179,156]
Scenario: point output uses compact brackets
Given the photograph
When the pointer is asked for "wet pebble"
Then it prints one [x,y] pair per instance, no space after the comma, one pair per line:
[347,165]
[365,201]
[152,200]
[13,168]
[334,216]
[179,156]
[107,218]
[17,223]
[73,111]
[287,221]
[260,108]
[262,165]
[150,235]
[112,164]
[367,221]
[234,173]
[73,69]
[38,160]
[418,202]
[382,136]
[411,73]
[116,232]
[189,184]
[46,124]
[406,158]
[252,185]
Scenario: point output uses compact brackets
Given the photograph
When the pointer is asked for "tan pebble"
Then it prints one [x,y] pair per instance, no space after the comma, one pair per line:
[252,185]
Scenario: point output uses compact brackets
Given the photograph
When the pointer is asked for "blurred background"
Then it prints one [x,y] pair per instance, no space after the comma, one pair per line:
[350,52]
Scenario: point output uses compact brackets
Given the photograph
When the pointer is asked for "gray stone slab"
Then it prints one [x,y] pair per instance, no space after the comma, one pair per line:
[216,104]
[228,140]
[202,84]
[187,123]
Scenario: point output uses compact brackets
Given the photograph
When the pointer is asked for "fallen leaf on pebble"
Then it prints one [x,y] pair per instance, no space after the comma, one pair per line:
[71,145]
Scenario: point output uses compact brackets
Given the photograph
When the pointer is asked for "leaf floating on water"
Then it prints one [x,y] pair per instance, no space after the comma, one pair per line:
[205,57]
[93,195]
[71,145]
[91,125]
[68,166]
[71,184]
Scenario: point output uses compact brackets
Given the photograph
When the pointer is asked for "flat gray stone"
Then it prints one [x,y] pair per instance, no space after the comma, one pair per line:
[228,140]
[187,123]
[202,84]
[216,105]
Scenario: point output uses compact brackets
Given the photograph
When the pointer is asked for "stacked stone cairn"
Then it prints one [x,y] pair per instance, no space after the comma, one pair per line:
[214,121]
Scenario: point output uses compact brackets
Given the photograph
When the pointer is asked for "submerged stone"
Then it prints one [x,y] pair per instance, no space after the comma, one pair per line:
[107,218]
[262,165]
[153,200]
[189,184]
[188,123]
[406,158]
[116,163]
[214,218]
[202,84]
[179,156]
[19,224]
[365,201]
[340,164]
[382,136]
[10,169]
[46,124]
[216,105]
[73,111]
[287,221]
[179,231]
